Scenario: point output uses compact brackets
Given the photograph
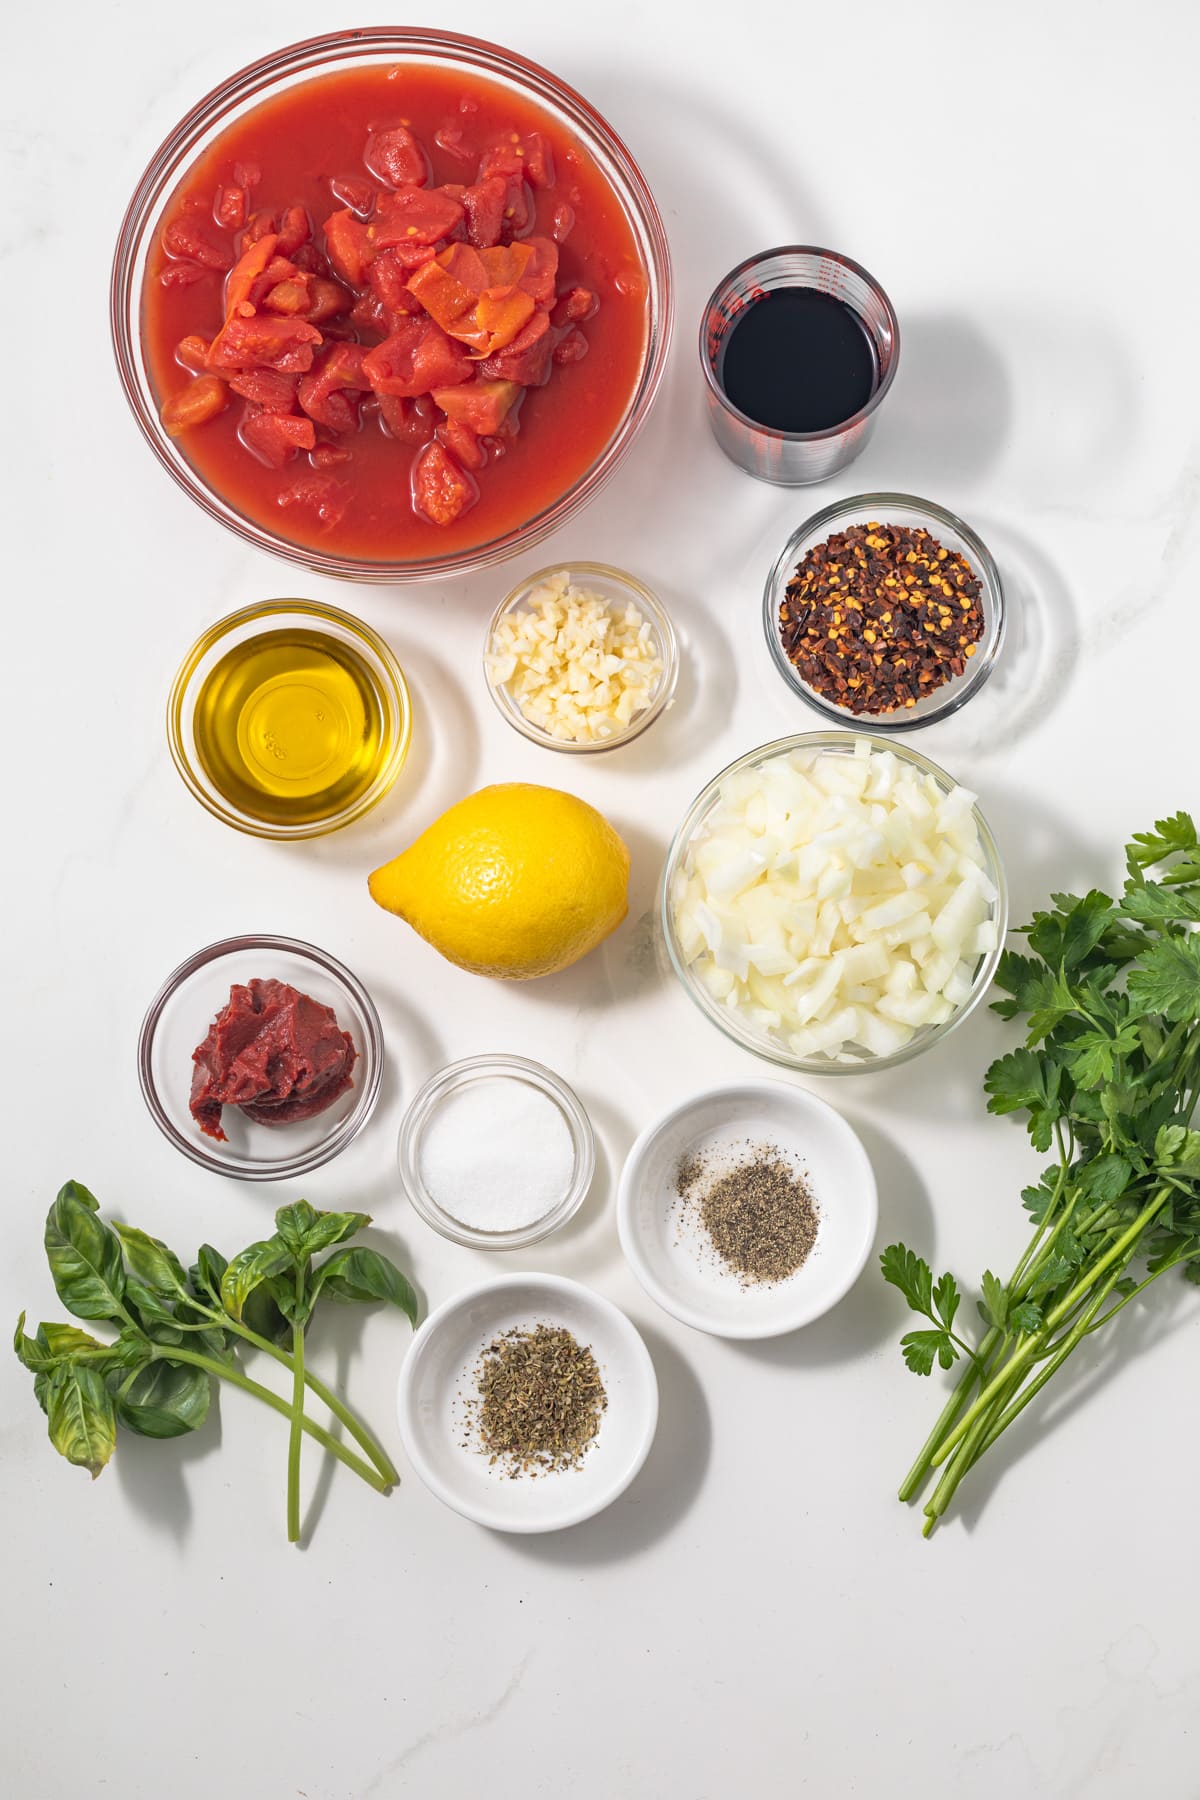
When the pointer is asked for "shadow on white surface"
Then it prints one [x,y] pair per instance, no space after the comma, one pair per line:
[948,416]
[407,1037]
[661,1494]
[705,698]
[1040,655]
[333,1344]
[443,762]
[153,1473]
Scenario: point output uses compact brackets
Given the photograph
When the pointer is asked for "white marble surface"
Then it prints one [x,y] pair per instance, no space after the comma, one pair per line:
[757,1616]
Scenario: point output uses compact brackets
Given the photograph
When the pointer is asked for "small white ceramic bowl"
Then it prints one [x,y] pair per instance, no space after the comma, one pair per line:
[669,1252]
[437,1379]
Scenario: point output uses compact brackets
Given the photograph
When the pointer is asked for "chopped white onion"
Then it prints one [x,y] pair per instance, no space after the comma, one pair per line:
[839,902]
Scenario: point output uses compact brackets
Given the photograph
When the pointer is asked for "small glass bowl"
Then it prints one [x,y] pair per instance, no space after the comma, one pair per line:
[616,587]
[762,1042]
[891,509]
[451,1080]
[391,693]
[387,47]
[178,1019]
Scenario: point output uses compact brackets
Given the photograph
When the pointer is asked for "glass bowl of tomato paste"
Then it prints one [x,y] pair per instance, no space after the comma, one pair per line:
[392,304]
[274,1008]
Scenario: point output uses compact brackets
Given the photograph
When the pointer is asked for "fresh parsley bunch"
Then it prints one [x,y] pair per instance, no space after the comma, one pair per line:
[178,1330]
[1108,1080]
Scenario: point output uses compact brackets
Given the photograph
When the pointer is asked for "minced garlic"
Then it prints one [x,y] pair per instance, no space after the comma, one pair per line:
[578,666]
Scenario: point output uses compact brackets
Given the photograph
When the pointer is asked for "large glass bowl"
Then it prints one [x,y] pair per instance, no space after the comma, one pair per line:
[753,1037]
[386,46]
[950,531]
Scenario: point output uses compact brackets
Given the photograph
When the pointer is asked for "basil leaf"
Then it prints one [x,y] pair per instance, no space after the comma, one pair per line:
[131,1350]
[249,1268]
[67,1340]
[151,1262]
[361,1276]
[305,1232]
[75,1190]
[79,1410]
[84,1257]
[164,1400]
[263,1314]
[29,1353]
[147,1303]
[206,1272]
[164,1334]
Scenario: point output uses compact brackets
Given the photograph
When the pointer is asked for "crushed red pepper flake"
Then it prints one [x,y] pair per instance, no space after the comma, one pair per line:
[879,616]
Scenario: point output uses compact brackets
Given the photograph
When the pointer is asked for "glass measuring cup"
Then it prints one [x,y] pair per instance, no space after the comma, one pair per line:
[795,458]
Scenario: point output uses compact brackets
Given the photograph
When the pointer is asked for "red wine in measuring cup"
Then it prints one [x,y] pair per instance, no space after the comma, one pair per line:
[798,360]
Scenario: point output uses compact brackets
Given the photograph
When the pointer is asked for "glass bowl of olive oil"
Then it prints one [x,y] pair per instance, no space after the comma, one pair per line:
[289,719]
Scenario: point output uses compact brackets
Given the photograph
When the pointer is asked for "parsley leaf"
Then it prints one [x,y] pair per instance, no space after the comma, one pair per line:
[1170,837]
[1092,1056]
[920,1348]
[905,1270]
[1038,1200]
[1023,1081]
[1026,1316]
[1152,904]
[913,1276]
[1168,980]
[995,1299]
[945,1299]
[1028,980]
[1105,1178]
[1178,1149]
[1086,922]
[1053,1272]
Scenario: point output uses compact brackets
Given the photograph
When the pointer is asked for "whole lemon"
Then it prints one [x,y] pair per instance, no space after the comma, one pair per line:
[515,881]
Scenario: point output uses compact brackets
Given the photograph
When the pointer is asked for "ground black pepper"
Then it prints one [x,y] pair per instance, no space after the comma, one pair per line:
[757,1212]
[878,616]
[539,1399]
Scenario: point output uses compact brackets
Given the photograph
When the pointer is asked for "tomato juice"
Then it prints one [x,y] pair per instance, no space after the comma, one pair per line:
[281,334]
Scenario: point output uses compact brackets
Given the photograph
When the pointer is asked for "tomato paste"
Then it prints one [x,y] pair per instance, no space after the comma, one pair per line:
[274,1052]
[400,310]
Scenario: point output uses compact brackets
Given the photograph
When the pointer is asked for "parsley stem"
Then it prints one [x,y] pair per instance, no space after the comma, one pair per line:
[1025,1352]
[1087,1322]
[1173,1263]
[975,1371]
[961,1461]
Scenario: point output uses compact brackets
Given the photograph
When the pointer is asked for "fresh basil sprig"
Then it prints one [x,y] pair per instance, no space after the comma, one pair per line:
[177,1331]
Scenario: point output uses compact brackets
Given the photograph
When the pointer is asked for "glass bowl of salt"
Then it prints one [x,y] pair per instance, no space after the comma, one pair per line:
[496,1152]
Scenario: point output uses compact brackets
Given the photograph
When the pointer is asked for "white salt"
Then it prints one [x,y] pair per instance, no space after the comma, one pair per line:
[497,1154]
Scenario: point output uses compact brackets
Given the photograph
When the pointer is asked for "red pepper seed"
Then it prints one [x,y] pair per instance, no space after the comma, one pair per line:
[868,654]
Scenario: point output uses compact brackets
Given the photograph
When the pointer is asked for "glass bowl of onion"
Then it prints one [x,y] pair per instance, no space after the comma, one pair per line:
[834,902]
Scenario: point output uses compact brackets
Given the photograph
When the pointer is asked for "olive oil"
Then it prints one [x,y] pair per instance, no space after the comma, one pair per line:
[289,727]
